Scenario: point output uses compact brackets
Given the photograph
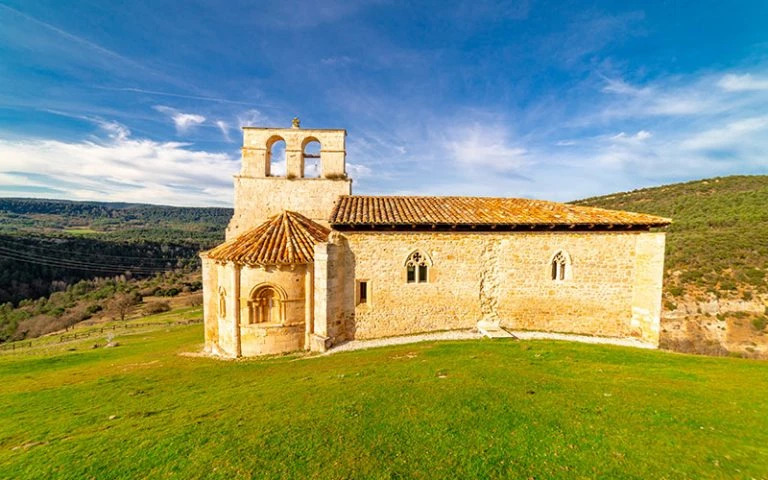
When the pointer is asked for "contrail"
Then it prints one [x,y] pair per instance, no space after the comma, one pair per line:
[180,95]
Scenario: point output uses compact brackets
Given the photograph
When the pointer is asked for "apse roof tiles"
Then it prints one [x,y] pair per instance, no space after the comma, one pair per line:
[288,238]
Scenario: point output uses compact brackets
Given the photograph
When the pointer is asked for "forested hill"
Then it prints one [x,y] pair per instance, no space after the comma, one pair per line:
[48,244]
[718,242]
[125,221]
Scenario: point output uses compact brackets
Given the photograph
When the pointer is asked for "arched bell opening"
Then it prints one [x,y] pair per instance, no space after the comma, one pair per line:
[276,157]
[310,149]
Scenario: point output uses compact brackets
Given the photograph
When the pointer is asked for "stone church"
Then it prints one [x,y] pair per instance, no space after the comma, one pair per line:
[306,265]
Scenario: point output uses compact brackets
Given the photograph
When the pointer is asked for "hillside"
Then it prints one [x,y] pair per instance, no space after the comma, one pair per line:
[46,245]
[715,286]
[468,409]
[113,221]
[718,239]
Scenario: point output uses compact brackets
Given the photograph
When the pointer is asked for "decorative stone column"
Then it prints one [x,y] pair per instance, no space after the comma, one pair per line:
[319,341]
[236,308]
[309,305]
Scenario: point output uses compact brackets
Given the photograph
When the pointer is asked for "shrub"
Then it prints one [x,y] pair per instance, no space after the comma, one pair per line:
[153,308]
[171,292]
[760,322]
[675,290]
[195,300]
[148,292]
[754,276]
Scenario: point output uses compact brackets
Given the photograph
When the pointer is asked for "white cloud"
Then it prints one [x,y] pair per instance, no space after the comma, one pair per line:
[183,121]
[643,135]
[357,171]
[741,83]
[638,137]
[620,87]
[224,127]
[121,168]
[114,130]
[253,118]
[485,147]
[674,97]
[735,136]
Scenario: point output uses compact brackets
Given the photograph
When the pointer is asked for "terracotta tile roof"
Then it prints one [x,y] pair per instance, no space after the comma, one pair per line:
[288,238]
[358,210]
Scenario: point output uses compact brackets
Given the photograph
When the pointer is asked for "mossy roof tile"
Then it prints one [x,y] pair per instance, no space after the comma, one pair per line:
[285,239]
[352,210]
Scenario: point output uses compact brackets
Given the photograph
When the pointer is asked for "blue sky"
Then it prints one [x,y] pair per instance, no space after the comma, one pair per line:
[143,101]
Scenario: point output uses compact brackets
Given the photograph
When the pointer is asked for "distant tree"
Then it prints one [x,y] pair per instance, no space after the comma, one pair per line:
[121,303]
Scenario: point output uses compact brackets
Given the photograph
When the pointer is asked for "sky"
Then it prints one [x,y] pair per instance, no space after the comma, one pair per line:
[144,101]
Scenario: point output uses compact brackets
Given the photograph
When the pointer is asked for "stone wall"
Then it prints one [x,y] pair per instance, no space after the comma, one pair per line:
[262,339]
[258,199]
[210,299]
[334,290]
[613,285]
[232,334]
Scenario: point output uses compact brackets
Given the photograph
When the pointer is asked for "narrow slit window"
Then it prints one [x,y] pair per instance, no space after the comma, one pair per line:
[362,296]
[222,303]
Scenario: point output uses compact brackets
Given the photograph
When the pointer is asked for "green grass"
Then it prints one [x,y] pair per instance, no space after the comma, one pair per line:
[473,409]
[97,332]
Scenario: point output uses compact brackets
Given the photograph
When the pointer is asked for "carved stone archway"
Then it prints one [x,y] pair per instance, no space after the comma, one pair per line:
[267,305]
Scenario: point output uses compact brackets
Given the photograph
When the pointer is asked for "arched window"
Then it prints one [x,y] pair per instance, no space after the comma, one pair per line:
[561,265]
[266,305]
[311,157]
[276,164]
[417,268]
[222,303]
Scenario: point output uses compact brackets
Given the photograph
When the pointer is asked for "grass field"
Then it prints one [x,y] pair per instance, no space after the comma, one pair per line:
[97,331]
[471,409]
